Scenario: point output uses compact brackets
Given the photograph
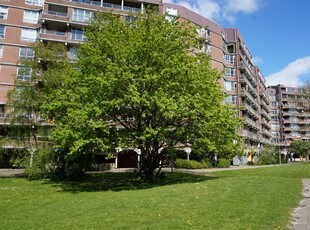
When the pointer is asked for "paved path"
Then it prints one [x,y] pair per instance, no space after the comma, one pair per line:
[11,172]
[301,214]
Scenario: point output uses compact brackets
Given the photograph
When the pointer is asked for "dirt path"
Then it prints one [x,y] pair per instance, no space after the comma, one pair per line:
[301,214]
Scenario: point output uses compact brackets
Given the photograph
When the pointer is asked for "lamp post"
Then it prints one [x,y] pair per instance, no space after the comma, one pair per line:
[280,151]
[118,150]
[188,152]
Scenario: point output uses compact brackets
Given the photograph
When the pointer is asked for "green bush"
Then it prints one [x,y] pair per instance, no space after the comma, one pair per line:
[223,163]
[250,163]
[190,164]
[268,156]
[42,164]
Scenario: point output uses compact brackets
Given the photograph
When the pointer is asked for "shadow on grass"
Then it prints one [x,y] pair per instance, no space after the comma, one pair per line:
[125,181]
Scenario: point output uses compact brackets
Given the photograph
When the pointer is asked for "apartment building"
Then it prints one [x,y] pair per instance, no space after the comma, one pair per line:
[23,22]
[290,116]
[247,90]
[242,81]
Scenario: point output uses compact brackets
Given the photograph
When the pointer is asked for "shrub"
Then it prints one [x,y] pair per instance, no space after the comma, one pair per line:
[250,163]
[268,156]
[189,164]
[223,163]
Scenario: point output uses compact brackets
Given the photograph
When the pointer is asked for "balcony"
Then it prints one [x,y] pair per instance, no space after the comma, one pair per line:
[247,70]
[265,106]
[265,115]
[266,140]
[55,13]
[267,133]
[288,121]
[53,35]
[266,123]
[107,5]
[264,97]
[250,97]
[249,85]
[250,135]
[250,109]
[251,123]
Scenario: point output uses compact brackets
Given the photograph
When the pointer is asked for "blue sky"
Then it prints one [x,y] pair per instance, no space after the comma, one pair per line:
[277,32]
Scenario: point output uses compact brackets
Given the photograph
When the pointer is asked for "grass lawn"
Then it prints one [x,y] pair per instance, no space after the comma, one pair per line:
[243,199]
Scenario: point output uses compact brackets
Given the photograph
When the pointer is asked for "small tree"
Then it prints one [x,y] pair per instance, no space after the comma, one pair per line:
[269,155]
[28,128]
[301,148]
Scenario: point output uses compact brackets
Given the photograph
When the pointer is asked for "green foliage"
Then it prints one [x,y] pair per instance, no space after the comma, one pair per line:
[268,156]
[135,85]
[223,163]
[189,164]
[300,147]
[250,163]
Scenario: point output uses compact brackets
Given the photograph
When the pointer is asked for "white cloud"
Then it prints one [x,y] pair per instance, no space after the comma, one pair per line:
[291,74]
[219,10]
[232,7]
[244,6]
[257,60]
[207,8]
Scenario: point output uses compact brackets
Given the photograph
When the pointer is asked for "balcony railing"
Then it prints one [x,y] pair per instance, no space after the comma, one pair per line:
[54,32]
[249,84]
[251,122]
[60,14]
[250,109]
[248,134]
[265,115]
[252,99]
[107,5]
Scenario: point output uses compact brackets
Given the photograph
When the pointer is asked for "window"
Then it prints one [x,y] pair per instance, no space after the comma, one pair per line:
[82,15]
[229,59]
[29,35]
[230,85]
[275,126]
[206,34]
[132,18]
[172,11]
[77,34]
[1,50]
[26,52]
[206,48]
[23,73]
[3,12]
[35,2]
[294,126]
[230,72]
[72,53]
[231,99]
[31,16]
[2,31]
[274,118]
[296,134]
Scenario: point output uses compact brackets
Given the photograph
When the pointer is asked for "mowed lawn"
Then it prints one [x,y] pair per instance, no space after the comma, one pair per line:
[242,199]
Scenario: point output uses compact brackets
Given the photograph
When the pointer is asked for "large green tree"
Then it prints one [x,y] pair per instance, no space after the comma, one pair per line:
[139,85]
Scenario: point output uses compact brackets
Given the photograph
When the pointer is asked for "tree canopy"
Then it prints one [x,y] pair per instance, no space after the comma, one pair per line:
[137,84]
[300,147]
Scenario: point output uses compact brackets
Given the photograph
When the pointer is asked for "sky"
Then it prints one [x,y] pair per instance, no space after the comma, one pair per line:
[277,33]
